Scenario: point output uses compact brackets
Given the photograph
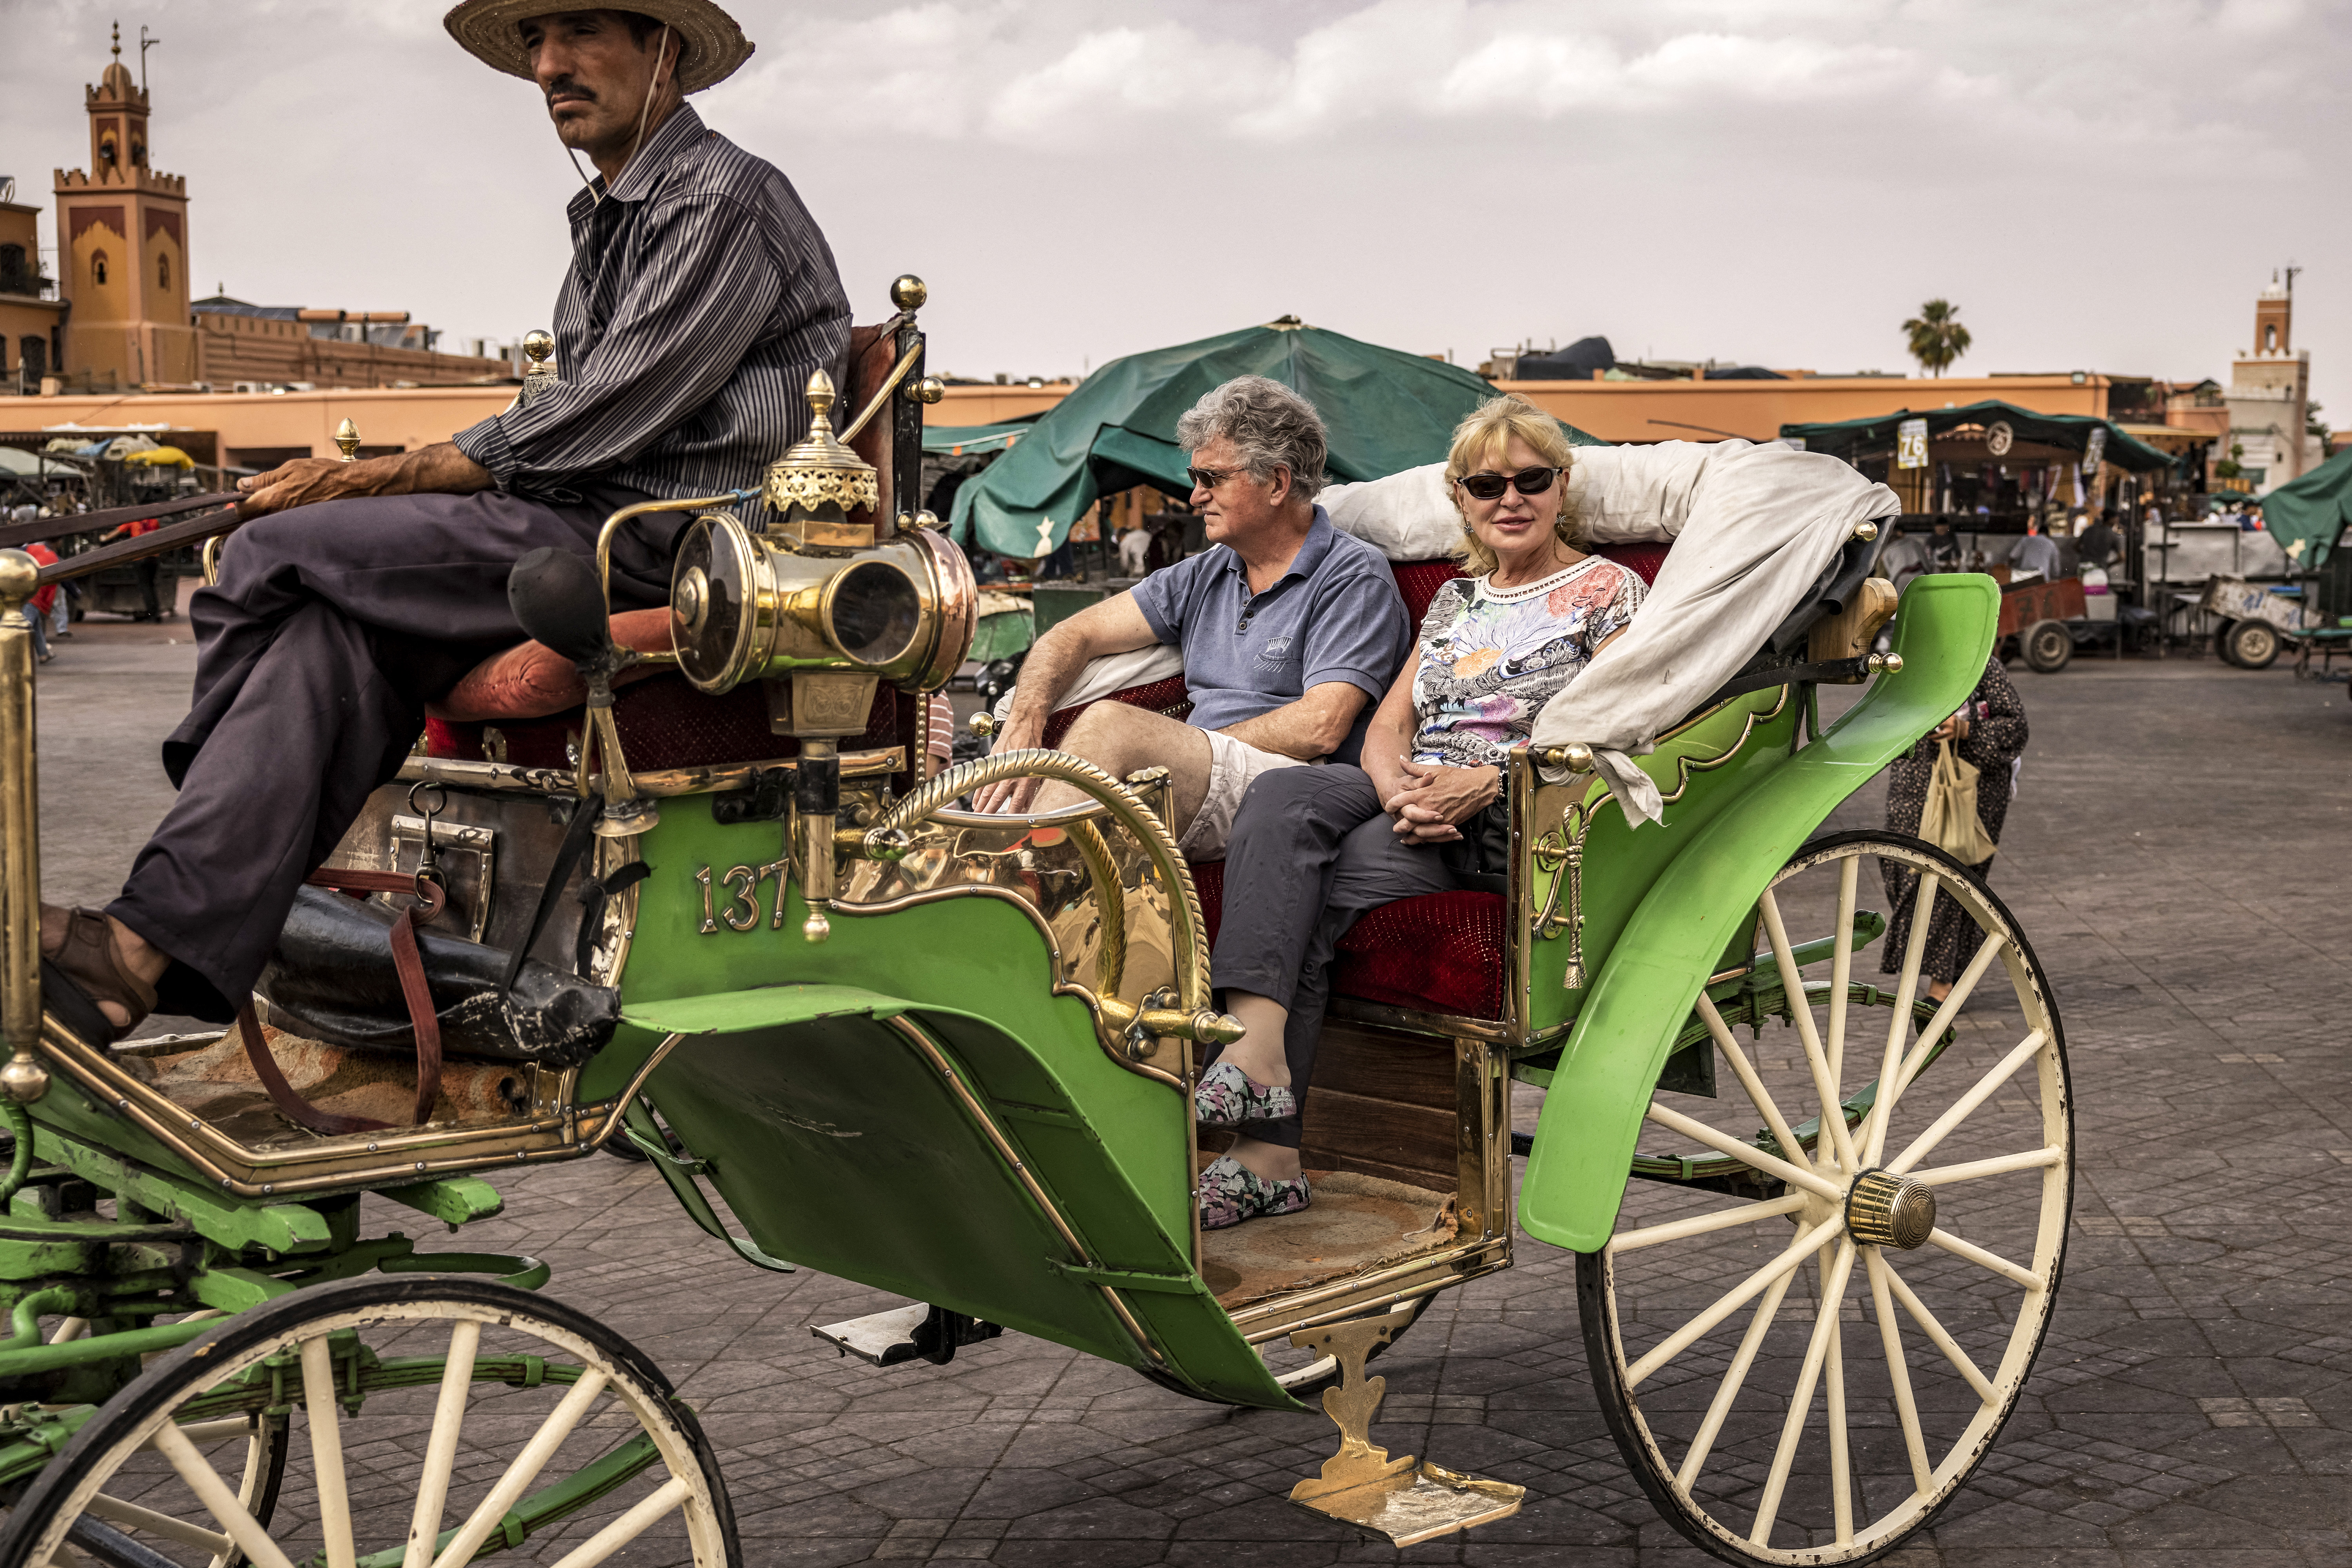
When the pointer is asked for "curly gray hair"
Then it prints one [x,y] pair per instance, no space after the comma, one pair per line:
[1269,424]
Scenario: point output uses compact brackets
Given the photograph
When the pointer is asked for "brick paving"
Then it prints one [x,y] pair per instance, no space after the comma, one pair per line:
[2176,858]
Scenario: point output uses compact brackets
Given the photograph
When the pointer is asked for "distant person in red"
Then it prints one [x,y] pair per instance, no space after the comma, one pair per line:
[37,607]
[148,570]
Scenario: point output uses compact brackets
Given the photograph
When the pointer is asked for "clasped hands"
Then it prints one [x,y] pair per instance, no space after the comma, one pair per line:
[1427,799]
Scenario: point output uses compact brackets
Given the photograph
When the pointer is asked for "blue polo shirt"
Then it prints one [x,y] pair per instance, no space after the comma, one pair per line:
[1334,616]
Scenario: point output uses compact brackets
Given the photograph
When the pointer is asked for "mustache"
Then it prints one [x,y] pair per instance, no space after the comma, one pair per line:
[566,90]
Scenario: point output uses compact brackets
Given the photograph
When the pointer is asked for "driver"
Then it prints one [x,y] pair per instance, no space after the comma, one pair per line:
[700,297]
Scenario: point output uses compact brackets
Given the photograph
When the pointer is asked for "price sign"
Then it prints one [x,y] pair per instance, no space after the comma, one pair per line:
[1911,444]
[2096,451]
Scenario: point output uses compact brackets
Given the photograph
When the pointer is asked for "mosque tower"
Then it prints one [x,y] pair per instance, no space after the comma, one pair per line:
[122,239]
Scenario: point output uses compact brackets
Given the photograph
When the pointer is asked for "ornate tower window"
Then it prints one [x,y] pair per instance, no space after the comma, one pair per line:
[106,149]
[97,268]
[163,272]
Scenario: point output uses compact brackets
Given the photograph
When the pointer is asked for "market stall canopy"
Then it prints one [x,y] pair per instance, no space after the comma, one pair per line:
[1386,411]
[2313,509]
[964,441]
[1855,439]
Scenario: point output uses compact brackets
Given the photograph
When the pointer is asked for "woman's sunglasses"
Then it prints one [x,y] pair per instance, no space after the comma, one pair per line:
[1490,486]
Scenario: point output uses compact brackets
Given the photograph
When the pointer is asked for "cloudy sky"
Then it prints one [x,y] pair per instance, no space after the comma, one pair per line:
[1769,181]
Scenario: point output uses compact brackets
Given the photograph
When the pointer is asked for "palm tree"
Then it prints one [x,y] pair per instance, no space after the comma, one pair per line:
[1936,336]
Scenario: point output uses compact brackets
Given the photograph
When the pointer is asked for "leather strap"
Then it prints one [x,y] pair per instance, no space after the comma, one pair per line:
[408,964]
[577,836]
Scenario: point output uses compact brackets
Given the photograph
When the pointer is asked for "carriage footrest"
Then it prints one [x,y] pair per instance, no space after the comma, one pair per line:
[912,1332]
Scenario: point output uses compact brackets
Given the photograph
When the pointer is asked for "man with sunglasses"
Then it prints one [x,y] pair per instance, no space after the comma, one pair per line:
[1289,629]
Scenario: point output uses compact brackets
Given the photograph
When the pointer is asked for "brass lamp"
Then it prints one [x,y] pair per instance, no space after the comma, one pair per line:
[811,601]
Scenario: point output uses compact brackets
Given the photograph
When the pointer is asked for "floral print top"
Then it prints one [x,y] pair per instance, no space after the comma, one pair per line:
[1491,658]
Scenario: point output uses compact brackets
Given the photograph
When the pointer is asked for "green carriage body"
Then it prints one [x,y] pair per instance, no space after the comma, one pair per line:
[973,1092]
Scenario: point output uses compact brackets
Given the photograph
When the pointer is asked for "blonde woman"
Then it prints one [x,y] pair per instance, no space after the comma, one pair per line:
[1313,848]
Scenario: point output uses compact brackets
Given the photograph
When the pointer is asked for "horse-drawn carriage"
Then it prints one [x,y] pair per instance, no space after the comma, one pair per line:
[720,912]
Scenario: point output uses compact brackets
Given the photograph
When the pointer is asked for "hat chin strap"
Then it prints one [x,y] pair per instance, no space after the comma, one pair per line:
[661,52]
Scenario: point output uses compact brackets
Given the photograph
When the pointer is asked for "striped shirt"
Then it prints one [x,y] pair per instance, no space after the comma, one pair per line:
[700,297]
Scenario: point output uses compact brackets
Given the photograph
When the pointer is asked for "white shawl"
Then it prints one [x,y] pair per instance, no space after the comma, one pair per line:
[1752,526]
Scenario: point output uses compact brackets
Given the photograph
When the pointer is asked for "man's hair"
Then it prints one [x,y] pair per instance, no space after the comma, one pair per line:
[642,28]
[1269,424]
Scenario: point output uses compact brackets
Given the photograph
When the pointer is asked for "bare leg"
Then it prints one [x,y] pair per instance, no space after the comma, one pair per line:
[1938,989]
[1259,1053]
[1121,739]
[1270,1161]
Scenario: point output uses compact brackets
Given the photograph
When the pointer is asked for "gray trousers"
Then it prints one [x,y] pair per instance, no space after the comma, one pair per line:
[330,627]
[1311,852]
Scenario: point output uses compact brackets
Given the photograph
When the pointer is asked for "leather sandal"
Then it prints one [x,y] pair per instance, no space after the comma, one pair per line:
[85,961]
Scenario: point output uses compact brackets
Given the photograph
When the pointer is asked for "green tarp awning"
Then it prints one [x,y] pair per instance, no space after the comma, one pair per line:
[1850,438]
[1386,411]
[2314,508]
[964,440]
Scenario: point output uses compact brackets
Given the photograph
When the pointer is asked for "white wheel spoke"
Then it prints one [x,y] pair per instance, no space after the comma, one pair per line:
[114,1510]
[1984,1260]
[1936,1332]
[210,1431]
[1801,1403]
[1842,964]
[219,1500]
[1734,1377]
[1841,1458]
[1986,950]
[1999,1164]
[1680,1339]
[1744,1070]
[441,1447]
[327,1451]
[71,1329]
[1966,1106]
[1792,985]
[525,1470]
[627,1528]
[1898,1369]
[1899,1028]
[1699,1225]
[1746,1154]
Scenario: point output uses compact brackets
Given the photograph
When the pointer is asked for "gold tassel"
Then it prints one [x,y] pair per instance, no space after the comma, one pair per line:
[1573,980]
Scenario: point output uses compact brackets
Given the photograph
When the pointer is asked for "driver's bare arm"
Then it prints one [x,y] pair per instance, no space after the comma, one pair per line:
[1312,727]
[1113,625]
[440,468]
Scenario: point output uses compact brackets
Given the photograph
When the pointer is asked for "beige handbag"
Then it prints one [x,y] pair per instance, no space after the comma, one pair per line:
[1948,820]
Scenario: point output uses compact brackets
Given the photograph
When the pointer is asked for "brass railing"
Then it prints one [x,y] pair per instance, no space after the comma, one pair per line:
[25,1079]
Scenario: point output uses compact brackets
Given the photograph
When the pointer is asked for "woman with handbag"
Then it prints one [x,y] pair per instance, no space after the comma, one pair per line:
[1952,789]
[1312,849]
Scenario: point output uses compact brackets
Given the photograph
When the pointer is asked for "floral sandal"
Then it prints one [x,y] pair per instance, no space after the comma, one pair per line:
[83,967]
[1230,1192]
[1227,1097]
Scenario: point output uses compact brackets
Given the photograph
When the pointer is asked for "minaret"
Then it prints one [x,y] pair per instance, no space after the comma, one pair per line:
[122,246]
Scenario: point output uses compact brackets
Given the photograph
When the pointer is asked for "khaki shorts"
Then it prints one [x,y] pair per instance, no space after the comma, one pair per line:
[1233,764]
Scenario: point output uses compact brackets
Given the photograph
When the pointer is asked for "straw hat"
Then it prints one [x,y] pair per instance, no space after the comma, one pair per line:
[491,31]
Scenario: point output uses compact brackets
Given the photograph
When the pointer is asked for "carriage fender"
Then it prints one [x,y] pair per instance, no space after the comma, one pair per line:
[1593,1111]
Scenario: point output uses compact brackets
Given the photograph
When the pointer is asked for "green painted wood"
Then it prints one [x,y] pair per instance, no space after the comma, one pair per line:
[1585,1137]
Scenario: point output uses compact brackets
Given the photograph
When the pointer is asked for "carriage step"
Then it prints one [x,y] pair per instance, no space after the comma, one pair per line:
[1396,1500]
[913,1333]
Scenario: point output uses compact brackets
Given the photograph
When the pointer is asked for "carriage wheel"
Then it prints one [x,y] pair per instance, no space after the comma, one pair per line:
[454,1412]
[1804,1364]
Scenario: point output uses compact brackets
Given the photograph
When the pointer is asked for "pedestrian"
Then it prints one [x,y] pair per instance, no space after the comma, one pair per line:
[1988,732]
[2035,554]
[148,571]
[2100,545]
[36,608]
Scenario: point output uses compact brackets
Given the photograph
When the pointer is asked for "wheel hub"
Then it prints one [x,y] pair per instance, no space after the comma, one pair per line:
[1887,1210]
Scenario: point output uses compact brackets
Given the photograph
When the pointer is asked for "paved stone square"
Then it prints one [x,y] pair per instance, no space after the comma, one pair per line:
[2179,857]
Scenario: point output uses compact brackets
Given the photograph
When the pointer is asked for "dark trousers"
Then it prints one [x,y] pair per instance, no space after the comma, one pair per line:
[331,627]
[1310,853]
